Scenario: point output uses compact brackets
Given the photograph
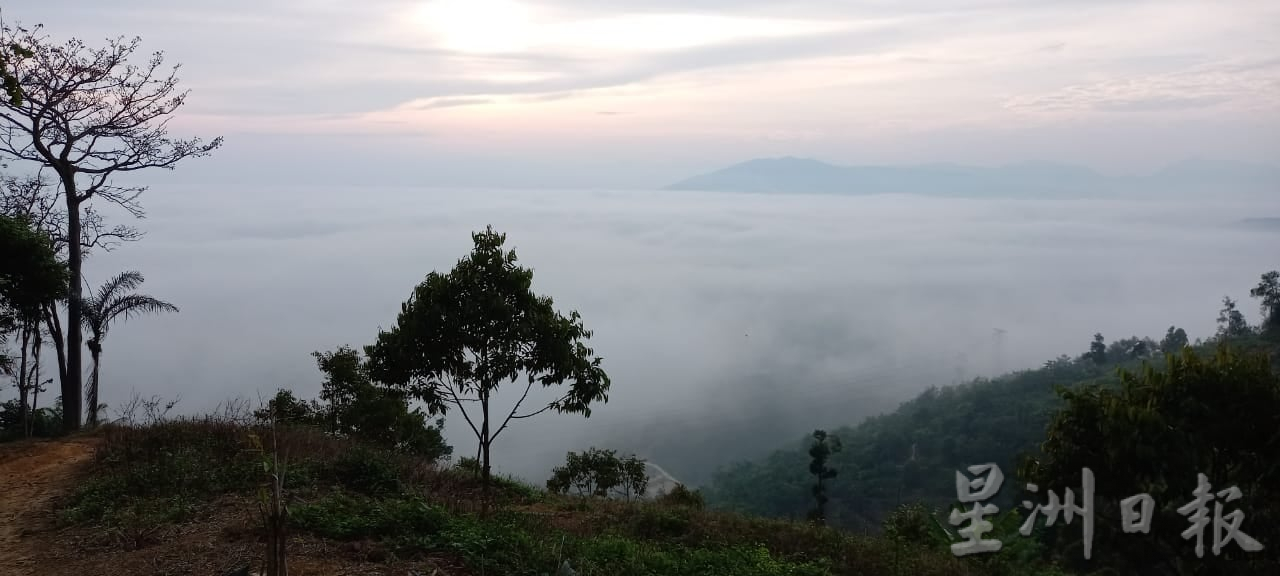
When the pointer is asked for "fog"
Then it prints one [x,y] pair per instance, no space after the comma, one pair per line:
[729,323]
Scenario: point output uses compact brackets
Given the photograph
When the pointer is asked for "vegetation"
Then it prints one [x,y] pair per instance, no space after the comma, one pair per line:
[351,406]
[114,300]
[463,334]
[88,115]
[404,508]
[1221,412]
[822,449]
[1109,409]
[600,473]
[30,276]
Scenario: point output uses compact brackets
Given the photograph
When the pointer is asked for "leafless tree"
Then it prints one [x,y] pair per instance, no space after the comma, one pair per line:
[89,115]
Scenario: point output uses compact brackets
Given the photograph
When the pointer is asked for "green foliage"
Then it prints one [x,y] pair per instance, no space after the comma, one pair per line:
[45,422]
[1154,434]
[357,407]
[911,454]
[345,517]
[915,524]
[9,55]
[599,473]
[1174,341]
[285,408]
[1268,293]
[365,471]
[1097,350]
[1231,322]
[822,448]
[161,469]
[681,496]
[463,334]
[30,273]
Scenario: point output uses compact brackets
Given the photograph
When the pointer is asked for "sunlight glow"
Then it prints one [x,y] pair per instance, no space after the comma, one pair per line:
[477,26]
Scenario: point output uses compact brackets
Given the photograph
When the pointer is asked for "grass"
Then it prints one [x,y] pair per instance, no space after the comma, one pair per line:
[167,473]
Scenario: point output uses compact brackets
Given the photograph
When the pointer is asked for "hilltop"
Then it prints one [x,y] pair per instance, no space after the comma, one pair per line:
[791,175]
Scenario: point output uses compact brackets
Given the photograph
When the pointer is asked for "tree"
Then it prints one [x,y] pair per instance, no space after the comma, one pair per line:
[89,115]
[353,406]
[114,300]
[1216,416]
[12,88]
[1175,339]
[822,448]
[600,473]
[461,335]
[30,277]
[1097,350]
[1231,323]
[1268,291]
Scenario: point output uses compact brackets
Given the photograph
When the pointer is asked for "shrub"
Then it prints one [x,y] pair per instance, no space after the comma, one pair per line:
[683,497]
[599,473]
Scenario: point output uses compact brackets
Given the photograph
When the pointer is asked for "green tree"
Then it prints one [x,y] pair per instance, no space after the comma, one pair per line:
[1175,339]
[822,448]
[30,278]
[1216,416]
[352,405]
[114,300]
[89,115]
[461,335]
[1268,292]
[1097,350]
[600,473]
[285,408]
[1231,322]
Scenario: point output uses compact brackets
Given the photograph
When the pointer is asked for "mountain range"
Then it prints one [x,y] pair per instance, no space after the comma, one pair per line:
[790,175]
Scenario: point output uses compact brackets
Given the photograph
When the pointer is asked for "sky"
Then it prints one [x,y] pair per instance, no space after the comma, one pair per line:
[641,93]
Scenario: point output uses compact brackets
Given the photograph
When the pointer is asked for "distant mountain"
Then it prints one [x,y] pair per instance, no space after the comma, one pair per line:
[1035,179]
[1272,224]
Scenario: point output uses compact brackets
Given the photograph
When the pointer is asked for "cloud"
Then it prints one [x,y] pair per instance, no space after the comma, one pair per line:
[1246,84]
[720,317]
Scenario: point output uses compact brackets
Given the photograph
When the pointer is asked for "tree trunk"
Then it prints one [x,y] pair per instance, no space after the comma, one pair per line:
[95,350]
[24,380]
[71,389]
[35,377]
[55,333]
[484,444]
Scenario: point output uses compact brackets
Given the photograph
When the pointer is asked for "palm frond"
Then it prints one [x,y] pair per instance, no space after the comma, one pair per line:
[117,285]
[113,300]
[130,305]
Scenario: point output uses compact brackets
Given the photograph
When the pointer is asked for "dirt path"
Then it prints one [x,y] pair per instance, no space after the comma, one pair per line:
[32,473]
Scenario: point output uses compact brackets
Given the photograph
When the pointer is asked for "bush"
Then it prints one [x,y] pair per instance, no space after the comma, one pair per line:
[914,524]
[346,517]
[365,471]
[683,497]
[181,460]
[599,473]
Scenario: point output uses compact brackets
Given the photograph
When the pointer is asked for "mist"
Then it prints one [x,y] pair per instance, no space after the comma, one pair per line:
[730,324]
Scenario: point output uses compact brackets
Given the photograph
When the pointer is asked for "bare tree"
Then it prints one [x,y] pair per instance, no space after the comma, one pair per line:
[89,115]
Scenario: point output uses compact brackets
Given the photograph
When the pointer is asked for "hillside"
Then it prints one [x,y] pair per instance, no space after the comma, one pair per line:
[911,454]
[1027,180]
[182,497]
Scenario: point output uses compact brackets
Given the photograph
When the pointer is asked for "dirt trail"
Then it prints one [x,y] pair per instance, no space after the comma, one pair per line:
[32,474]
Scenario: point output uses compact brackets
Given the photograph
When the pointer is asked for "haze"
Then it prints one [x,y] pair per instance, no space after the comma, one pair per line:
[366,140]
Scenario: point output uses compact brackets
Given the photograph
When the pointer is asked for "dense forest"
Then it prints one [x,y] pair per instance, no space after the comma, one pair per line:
[907,460]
